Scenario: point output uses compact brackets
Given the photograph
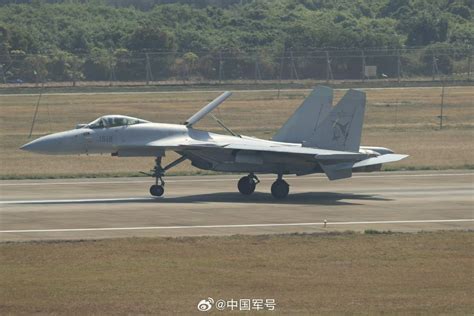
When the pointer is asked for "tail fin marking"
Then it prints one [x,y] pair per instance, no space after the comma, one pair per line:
[342,128]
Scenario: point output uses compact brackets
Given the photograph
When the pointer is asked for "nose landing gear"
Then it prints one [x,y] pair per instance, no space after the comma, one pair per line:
[247,184]
[158,172]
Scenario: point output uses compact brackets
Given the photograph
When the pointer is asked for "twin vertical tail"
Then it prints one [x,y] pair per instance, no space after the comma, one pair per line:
[302,125]
[342,128]
[316,123]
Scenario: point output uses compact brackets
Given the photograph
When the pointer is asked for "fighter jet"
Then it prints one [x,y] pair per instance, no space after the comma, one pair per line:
[317,138]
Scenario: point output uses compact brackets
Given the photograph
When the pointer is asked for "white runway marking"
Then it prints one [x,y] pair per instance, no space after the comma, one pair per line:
[213,179]
[207,91]
[233,226]
[131,199]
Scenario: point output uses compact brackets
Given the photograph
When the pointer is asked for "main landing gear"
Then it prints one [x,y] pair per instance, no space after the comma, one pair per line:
[158,173]
[280,188]
[247,184]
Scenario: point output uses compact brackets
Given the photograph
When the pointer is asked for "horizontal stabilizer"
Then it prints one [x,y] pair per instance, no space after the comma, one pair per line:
[379,160]
[208,108]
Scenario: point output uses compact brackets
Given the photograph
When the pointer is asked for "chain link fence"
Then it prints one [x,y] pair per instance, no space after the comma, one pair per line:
[231,65]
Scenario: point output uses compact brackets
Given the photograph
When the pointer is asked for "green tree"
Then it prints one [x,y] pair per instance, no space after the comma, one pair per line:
[426,28]
[99,64]
[35,68]
[150,38]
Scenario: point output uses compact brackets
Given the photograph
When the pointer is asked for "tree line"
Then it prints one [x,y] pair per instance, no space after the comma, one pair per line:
[160,39]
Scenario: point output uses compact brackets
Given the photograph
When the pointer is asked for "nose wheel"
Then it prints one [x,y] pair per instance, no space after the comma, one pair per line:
[157,190]
[280,188]
[247,184]
[158,172]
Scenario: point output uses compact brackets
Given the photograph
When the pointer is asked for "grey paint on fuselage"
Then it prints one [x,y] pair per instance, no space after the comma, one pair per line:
[115,139]
[291,152]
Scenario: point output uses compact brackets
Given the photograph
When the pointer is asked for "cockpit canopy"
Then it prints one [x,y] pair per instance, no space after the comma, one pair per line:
[114,121]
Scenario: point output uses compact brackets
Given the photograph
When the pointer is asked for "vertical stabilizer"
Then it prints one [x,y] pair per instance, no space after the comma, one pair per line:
[302,125]
[342,127]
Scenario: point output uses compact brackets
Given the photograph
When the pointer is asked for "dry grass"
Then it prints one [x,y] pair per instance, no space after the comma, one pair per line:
[427,273]
[404,120]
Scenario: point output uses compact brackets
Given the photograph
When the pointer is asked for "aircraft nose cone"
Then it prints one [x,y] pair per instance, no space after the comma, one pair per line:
[62,143]
[26,146]
[44,144]
[34,146]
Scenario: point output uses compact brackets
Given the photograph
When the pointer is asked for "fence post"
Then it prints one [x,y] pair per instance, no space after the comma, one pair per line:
[399,65]
[3,74]
[469,66]
[434,68]
[73,78]
[258,75]
[363,66]
[149,74]
[293,67]
[329,75]
[111,68]
[281,72]
[220,66]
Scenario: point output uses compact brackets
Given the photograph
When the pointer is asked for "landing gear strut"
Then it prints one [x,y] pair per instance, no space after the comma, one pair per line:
[158,173]
[280,188]
[247,184]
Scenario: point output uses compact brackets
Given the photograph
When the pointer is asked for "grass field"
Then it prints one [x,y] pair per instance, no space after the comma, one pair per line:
[424,273]
[402,119]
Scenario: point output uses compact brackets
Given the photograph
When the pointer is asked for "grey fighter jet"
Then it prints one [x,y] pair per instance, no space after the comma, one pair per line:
[317,138]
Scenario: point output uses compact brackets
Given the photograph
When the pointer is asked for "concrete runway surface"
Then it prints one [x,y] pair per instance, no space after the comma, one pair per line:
[211,205]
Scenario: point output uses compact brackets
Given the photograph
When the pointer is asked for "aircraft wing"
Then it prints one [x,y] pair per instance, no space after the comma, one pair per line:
[158,147]
[184,142]
[319,154]
[187,143]
[173,143]
[335,164]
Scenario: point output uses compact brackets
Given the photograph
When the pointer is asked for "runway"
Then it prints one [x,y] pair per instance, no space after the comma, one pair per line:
[211,205]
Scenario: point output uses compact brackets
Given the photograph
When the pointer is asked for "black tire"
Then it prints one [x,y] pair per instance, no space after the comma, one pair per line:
[246,185]
[280,189]
[157,190]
